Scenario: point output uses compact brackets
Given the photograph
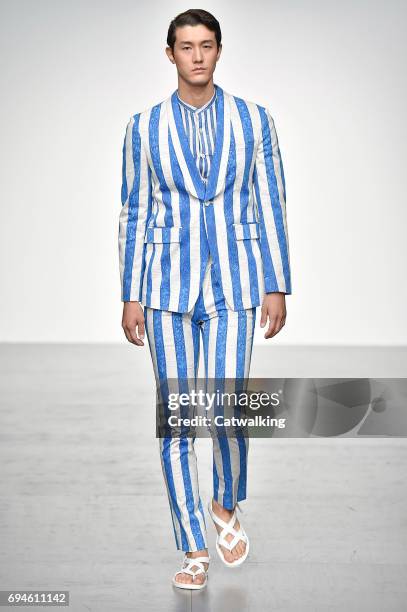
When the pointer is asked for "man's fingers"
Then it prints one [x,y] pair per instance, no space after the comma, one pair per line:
[275,325]
[271,328]
[135,337]
[275,311]
[131,335]
[141,330]
[263,319]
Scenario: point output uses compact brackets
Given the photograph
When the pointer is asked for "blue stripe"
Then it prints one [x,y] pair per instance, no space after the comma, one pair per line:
[205,341]
[166,450]
[184,440]
[214,173]
[185,217]
[196,178]
[132,218]
[268,265]
[211,225]
[274,197]
[240,380]
[229,218]
[124,192]
[149,209]
[219,298]
[245,195]
[166,199]
[220,357]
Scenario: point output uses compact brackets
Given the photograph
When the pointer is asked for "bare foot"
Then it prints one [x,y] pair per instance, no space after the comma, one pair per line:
[199,578]
[225,514]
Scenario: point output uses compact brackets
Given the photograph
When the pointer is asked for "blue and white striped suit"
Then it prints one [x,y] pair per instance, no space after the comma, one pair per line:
[171,219]
[182,256]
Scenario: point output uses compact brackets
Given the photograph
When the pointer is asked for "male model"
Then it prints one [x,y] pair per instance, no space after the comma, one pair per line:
[202,242]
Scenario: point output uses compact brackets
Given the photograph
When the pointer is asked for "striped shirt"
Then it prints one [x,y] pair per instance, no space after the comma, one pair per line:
[200,128]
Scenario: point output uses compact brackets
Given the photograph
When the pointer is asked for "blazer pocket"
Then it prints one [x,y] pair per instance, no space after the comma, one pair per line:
[246,230]
[163,234]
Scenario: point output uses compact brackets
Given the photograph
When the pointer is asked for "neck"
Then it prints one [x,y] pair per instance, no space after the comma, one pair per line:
[197,95]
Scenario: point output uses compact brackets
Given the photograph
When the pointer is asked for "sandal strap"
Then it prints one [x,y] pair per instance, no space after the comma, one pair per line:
[190,562]
[240,535]
[228,529]
[188,570]
[202,559]
[221,522]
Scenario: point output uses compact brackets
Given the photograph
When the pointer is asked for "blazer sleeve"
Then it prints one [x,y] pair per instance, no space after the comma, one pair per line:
[135,210]
[270,202]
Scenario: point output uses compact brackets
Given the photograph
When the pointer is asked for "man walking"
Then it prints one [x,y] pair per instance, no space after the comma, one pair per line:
[203,241]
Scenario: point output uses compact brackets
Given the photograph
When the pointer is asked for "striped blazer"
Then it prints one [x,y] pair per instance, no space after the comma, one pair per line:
[171,220]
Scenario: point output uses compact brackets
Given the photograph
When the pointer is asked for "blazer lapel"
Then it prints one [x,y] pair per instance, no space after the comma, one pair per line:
[217,173]
[190,172]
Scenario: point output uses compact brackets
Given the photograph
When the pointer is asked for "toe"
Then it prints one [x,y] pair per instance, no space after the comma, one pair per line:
[227,554]
[184,578]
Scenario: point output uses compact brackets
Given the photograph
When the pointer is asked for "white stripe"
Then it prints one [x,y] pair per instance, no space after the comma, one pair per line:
[207,288]
[231,343]
[175,458]
[240,164]
[268,216]
[178,150]
[152,346]
[175,273]
[213,330]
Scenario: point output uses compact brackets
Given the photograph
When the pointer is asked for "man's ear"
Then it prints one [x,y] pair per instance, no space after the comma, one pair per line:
[170,55]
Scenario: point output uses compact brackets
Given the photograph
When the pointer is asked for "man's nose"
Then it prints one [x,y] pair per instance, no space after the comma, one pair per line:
[197,56]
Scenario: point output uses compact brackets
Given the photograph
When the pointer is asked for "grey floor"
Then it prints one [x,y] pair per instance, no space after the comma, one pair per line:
[83,506]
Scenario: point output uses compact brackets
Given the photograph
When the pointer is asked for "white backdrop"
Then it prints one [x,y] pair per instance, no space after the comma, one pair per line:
[333,75]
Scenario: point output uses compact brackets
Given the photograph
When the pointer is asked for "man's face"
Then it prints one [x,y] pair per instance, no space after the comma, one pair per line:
[195,47]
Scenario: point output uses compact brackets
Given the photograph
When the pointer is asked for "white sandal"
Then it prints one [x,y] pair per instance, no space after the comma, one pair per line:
[190,562]
[227,528]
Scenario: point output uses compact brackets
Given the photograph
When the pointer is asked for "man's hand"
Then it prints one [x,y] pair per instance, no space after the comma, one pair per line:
[133,317]
[274,307]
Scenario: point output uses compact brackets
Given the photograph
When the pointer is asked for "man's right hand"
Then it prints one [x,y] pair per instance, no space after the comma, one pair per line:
[133,318]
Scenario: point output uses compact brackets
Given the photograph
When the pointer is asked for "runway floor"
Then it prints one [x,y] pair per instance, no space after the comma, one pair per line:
[84,508]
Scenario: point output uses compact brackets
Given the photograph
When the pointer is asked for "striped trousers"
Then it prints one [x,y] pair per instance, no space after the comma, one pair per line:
[174,342]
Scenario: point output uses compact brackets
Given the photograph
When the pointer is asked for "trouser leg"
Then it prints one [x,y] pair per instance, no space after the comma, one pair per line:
[174,346]
[228,342]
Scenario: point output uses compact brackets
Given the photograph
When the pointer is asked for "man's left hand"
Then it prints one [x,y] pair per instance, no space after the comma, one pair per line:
[274,308]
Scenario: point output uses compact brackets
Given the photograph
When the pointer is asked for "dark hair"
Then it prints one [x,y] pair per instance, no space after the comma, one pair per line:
[194,17]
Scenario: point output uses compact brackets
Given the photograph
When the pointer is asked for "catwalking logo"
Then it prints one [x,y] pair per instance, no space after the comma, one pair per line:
[219,401]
